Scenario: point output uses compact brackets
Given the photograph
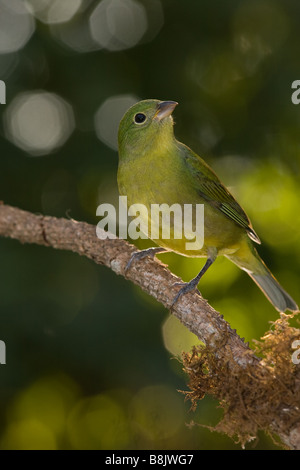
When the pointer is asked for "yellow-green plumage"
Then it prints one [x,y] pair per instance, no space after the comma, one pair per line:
[154,168]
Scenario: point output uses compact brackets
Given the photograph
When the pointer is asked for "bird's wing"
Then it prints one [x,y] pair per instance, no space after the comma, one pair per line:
[210,188]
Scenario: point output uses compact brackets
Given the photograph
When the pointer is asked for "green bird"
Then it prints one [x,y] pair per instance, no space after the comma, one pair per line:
[155,168]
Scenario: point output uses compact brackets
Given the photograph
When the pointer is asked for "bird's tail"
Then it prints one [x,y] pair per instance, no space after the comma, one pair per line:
[250,261]
[281,300]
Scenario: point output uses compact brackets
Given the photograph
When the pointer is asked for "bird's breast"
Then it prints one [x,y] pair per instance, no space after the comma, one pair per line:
[164,183]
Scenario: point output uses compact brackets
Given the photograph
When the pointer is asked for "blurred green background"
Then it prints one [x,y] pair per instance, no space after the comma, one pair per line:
[91,360]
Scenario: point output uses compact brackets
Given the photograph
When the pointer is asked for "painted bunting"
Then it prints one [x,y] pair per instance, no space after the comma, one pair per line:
[155,168]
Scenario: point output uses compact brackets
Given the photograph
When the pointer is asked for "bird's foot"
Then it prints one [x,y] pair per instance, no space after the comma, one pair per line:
[139,255]
[185,288]
[192,285]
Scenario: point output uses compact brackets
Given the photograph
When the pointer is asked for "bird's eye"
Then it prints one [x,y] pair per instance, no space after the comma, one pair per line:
[139,118]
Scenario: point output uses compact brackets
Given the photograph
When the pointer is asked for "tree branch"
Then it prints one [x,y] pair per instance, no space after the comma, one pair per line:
[229,351]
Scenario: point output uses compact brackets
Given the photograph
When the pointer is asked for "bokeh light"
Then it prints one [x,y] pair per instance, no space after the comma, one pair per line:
[16,25]
[256,39]
[108,117]
[76,34]
[177,338]
[113,25]
[29,434]
[37,417]
[98,422]
[50,124]
[214,69]
[53,11]
[118,24]
[152,412]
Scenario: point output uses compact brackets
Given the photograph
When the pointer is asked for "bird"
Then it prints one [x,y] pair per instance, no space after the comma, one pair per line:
[155,168]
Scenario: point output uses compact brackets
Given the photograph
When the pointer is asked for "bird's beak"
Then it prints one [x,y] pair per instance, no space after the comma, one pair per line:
[164,109]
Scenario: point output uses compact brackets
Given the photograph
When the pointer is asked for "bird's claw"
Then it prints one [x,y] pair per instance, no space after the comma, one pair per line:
[185,288]
[136,256]
[139,255]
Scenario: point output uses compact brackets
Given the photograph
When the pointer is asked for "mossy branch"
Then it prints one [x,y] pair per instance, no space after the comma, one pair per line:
[232,366]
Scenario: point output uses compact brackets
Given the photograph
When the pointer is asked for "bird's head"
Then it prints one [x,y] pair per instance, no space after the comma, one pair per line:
[144,123]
